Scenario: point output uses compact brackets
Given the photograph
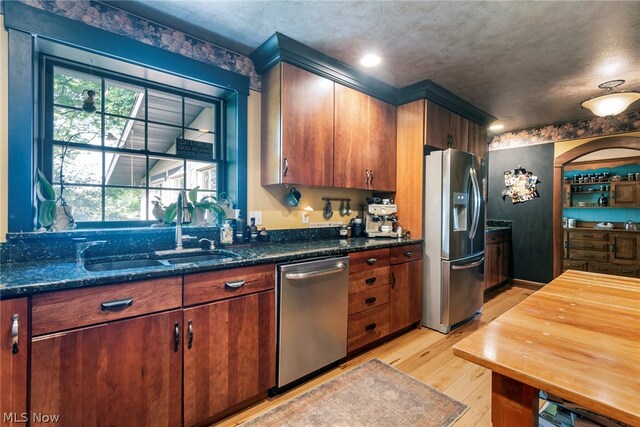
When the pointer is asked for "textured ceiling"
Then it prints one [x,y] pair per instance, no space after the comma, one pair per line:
[526,63]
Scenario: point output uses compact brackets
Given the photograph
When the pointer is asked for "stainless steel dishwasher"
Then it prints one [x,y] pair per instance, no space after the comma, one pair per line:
[313,301]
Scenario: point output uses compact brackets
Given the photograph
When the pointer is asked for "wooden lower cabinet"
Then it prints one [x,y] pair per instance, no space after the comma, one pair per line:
[497,258]
[406,295]
[229,354]
[603,251]
[13,360]
[128,372]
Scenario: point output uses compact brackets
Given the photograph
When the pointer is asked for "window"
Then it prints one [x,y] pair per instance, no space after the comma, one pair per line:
[114,143]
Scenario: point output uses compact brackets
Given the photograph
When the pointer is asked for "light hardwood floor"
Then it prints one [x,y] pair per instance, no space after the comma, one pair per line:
[427,356]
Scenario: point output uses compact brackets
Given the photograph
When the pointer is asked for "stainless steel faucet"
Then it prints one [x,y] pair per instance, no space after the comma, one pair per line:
[81,248]
[183,216]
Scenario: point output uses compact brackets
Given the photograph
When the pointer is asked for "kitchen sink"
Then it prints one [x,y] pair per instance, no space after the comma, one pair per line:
[121,265]
[162,258]
[211,256]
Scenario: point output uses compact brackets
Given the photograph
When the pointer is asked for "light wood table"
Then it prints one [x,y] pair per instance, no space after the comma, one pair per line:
[578,338]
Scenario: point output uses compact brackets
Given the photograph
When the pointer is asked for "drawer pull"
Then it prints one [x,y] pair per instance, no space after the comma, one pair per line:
[234,285]
[600,268]
[190,332]
[393,280]
[370,281]
[408,254]
[14,334]
[587,235]
[176,337]
[373,299]
[625,271]
[370,327]
[587,246]
[372,261]
[116,305]
[587,256]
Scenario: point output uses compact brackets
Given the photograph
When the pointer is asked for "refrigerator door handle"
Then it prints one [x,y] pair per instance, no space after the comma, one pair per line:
[476,203]
[470,265]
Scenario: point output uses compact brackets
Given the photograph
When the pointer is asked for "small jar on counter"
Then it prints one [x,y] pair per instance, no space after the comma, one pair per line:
[226,234]
[343,231]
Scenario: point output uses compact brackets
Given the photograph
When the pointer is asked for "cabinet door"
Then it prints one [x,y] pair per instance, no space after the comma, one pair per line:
[307,127]
[459,132]
[229,354]
[438,134]
[382,145]
[406,294]
[505,259]
[491,265]
[625,193]
[13,360]
[477,140]
[624,248]
[352,157]
[127,372]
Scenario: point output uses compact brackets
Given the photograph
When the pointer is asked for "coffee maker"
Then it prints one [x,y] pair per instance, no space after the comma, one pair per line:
[379,219]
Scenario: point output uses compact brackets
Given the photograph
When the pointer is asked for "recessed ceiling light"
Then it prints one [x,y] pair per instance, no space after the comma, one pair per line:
[370,60]
[496,126]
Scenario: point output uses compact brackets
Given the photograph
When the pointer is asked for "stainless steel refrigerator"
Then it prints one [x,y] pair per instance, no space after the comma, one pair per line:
[453,230]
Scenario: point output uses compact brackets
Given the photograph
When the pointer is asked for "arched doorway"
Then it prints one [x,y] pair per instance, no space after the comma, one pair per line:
[630,142]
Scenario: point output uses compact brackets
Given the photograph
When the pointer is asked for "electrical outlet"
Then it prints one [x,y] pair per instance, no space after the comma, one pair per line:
[305,217]
[257,215]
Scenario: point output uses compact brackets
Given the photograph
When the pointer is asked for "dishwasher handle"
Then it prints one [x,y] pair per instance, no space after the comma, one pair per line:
[339,268]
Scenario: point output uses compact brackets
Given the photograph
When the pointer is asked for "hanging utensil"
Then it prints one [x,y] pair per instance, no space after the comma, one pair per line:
[348,207]
[343,209]
[328,210]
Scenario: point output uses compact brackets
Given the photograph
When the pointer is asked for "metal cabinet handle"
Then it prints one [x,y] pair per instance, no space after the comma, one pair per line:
[449,140]
[190,333]
[408,254]
[372,261]
[587,235]
[116,305]
[499,251]
[14,334]
[366,176]
[587,256]
[286,167]
[370,300]
[393,280]
[612,247]
[176,337]
[370,281]
[371,174]
[370,327]
[625,271]
[586,246]
[234,285]
[600,268]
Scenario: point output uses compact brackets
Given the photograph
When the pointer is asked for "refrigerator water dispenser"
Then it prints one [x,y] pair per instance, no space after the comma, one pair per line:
[460,204]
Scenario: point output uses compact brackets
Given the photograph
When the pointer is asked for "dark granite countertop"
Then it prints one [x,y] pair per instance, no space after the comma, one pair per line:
[26,278]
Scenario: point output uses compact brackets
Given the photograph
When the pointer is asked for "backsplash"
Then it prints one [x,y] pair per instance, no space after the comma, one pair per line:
[117,21]
[25,247]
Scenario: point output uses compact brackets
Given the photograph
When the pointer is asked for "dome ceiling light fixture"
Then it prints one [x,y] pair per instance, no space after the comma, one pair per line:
[611,103]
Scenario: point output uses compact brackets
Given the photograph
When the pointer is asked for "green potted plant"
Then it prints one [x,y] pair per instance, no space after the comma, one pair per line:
[198,210]
[54,213]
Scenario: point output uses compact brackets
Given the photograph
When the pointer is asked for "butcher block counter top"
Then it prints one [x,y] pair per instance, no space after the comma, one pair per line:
[578,338]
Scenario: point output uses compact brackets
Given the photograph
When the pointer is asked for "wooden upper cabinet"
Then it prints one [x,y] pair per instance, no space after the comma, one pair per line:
[352,151]
[446,129]
[365,141]
[478,140]
[625,193]
[297,127]
[13,360]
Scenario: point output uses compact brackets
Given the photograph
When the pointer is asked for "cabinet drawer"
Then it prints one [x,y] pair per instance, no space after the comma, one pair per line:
[368,279]
[360,261]
[57,311]
[216,285]
[614,269]
[370,298]
[497,237]
[367,326]
[406,253]
[574,265]
[588,235]
[589,245]
[588,255]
